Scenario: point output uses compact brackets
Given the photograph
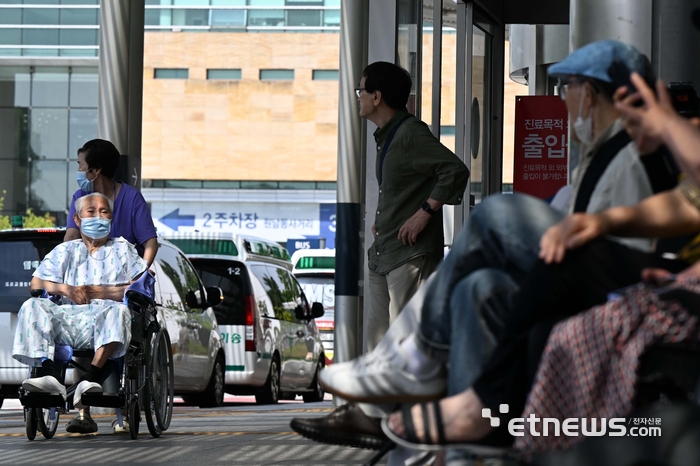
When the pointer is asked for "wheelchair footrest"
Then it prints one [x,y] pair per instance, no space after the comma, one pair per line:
[103,400]
[42,400]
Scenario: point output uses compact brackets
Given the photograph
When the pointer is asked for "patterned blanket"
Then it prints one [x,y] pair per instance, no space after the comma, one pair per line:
[589,367]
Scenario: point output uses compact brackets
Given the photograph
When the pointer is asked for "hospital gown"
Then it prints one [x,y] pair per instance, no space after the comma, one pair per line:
[43,324]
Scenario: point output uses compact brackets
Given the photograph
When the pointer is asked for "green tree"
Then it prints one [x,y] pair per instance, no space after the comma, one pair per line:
[31,220]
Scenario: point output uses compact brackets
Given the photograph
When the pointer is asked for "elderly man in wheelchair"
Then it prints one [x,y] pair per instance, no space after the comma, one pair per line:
[90,276]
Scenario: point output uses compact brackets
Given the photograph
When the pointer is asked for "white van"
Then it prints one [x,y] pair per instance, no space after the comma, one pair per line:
[240,247]
[272,345]
[315,270]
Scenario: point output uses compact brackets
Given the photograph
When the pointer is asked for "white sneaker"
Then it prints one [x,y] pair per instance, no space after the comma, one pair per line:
[381,377]
[119,429]
[45,384]
[85,387]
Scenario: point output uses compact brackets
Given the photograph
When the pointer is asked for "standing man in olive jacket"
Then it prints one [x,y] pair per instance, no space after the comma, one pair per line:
[417,175]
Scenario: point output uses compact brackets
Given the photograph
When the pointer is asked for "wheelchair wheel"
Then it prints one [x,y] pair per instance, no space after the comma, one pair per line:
[31,422]
[47,427]
[159,389]
[134,418]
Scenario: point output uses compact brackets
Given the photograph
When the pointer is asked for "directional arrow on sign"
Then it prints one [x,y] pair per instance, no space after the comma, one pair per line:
[174,220]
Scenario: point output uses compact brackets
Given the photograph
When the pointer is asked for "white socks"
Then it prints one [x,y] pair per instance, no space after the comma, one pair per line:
[417,362]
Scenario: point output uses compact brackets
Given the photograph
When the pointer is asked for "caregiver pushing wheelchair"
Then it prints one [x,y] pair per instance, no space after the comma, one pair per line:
[84,309]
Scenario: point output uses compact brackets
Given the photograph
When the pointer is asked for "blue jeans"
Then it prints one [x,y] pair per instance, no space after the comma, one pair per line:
[476,282]
[491,293]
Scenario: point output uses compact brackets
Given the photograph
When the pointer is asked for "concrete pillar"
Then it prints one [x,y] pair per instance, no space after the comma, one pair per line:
[661,29]
[120,98]
[351,162]
[532,49]
[675,41]
[627,21]
[381,46]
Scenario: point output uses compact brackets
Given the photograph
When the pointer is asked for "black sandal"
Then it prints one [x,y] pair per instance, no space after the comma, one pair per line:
[411,440]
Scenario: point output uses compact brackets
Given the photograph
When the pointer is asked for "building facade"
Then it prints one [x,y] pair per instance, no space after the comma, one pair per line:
[240,109]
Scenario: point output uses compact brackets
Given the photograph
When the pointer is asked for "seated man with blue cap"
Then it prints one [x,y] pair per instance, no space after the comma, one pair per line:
[91,275]
[472,296]
[609,170]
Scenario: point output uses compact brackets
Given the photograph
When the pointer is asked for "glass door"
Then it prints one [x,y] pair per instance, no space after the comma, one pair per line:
[478,120]
[478,109]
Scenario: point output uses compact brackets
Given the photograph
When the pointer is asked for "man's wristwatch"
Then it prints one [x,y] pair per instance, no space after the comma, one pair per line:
[428,209]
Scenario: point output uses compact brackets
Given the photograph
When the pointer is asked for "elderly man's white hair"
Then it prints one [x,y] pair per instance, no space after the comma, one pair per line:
[80,202]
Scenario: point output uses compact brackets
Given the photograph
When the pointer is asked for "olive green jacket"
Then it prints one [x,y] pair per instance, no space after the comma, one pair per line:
[416,167]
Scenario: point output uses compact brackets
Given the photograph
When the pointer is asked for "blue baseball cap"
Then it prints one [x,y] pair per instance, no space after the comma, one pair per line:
[594,59]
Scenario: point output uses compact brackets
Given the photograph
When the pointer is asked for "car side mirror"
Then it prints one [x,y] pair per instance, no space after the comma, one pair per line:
[214,296]
[317,310]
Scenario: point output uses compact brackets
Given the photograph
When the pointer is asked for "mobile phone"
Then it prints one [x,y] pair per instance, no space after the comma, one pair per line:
[620,75]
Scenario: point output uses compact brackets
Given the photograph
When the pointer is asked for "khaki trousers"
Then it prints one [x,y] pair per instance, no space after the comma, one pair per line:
[389,293]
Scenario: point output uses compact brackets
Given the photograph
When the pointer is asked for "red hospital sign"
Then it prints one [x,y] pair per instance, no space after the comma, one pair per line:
[540,156]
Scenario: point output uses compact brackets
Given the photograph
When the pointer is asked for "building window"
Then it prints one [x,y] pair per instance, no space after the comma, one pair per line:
[258,185]
[325,75]
[265,17]
[46,114]
[240,184]
[220,73]
[228,18]
[80,16]
[303,17]
[40,15]
[331,18]
[296,185]
[276,75]
[171,73]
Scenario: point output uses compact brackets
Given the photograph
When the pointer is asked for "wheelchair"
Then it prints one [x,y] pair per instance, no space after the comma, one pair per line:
[141,380]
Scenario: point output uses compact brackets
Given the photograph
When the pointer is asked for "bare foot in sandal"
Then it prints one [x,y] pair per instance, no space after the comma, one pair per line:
[461,420]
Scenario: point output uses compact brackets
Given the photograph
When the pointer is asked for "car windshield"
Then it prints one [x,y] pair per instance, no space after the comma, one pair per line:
[19,259]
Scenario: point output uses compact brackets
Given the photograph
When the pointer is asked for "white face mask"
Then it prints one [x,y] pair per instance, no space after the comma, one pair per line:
[584,128]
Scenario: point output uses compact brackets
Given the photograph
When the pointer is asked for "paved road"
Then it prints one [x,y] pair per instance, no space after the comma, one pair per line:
[240,433]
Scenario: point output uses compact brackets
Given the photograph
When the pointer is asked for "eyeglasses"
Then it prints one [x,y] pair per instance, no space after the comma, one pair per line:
[358,91]
[563,87]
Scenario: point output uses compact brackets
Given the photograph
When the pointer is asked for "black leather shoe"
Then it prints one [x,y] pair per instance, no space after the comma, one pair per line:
[347,425]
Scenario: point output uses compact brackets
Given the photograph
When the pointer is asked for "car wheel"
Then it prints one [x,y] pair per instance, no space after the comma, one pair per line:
[319,392]
[213,396]
[269,394]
